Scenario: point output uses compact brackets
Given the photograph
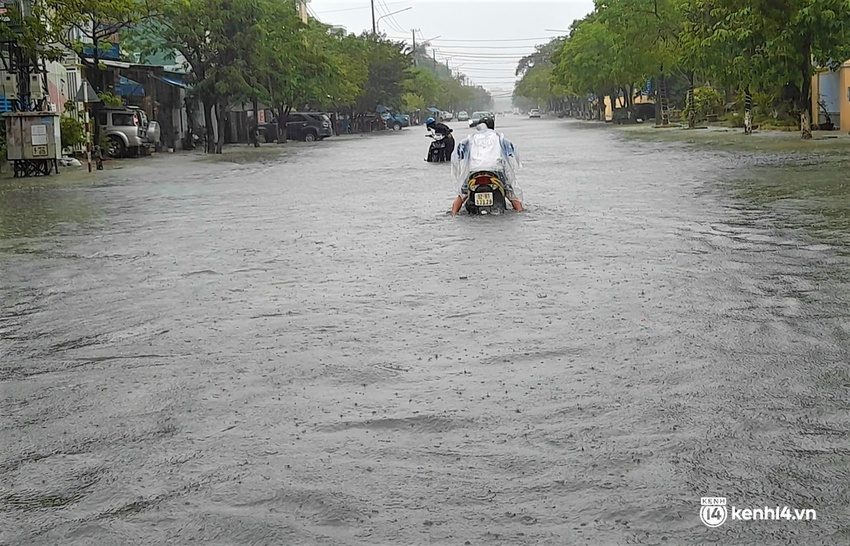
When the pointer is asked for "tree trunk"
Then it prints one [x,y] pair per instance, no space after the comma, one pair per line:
[748,111]
[806,99]
[691,106]
[657,101]
[208,122]
[222,123]
[805,124]
[281,124]
[255,127]
[285,117]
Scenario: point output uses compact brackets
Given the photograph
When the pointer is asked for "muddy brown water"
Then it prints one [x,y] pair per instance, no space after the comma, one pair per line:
[308,350]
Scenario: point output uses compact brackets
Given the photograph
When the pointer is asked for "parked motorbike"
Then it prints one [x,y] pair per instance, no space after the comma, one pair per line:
[439,151]
[486,194]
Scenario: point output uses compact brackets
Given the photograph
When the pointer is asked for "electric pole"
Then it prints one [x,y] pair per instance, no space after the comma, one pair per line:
[374,26]
[414,46]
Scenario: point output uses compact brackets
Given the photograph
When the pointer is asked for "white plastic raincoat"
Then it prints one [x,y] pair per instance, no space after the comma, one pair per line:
[486,150]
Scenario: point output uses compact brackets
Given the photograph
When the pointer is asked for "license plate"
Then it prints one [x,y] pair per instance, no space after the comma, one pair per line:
[483,199]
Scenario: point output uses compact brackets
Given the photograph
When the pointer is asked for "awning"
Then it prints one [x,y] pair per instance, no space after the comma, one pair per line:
[110,63]
[129,88]
[172,81]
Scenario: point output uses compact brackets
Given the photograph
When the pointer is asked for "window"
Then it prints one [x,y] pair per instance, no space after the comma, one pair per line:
[101,119]
[120,119]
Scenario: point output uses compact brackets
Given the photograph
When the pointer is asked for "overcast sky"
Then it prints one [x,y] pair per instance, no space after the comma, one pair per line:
[481,38]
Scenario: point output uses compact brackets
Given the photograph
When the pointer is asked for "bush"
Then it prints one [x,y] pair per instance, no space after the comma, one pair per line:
[764,104]
[73,132]
[707,101]
[109,100]
[735,121]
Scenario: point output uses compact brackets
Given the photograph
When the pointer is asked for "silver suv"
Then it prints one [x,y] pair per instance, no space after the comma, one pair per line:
[127,129]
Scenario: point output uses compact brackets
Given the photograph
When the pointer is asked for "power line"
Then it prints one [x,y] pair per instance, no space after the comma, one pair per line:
[387,14]
[478,48]
[359,8]
[472,56]
[313,13]
[503,70]
[496,40]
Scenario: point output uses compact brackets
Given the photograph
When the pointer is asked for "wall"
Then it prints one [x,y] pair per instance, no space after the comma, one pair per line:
[836,84]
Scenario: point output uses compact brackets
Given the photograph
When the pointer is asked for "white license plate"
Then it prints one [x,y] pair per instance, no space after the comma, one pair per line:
[483,199]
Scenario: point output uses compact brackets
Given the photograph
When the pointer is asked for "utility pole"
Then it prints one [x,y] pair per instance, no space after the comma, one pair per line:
[374,26]
[414,46]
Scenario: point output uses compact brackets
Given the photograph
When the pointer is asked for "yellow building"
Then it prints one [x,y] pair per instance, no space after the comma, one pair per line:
[609,110]
[833,90]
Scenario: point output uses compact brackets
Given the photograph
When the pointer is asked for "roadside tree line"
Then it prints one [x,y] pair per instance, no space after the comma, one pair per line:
[697,51]
[256,51]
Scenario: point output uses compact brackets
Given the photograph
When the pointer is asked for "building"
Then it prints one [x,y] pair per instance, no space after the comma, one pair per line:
[63,81]
[831,95]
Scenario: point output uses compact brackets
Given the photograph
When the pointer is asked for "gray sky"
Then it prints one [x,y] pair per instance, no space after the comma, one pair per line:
[481,38]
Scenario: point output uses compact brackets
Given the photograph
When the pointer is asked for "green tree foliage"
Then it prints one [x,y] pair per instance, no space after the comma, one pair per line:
[583,63]
[753,46]
[72,132]
[538,84]
[96,21]
[388,62]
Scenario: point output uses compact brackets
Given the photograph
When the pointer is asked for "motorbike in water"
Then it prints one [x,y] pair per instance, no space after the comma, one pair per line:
[487,194]
[439,151]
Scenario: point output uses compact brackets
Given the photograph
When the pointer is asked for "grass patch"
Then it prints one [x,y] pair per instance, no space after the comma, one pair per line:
[803,183]
[722,138]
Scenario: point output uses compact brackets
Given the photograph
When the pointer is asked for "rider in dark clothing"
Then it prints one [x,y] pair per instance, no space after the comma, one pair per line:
[446,131]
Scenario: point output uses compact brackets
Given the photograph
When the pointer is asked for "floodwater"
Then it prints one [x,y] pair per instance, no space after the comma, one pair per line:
[309,350]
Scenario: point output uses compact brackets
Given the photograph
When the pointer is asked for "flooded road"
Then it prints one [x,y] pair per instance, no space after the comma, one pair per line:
[309,350]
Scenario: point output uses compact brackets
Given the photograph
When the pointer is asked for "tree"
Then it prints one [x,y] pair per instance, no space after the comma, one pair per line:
[583,63]
[537,81]
[645,42]
[388,62]
[422,82]
[771,45]
[218,39]
[803,34]
[83,25]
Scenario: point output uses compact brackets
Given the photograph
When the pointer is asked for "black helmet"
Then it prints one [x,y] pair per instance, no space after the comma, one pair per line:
[488,121]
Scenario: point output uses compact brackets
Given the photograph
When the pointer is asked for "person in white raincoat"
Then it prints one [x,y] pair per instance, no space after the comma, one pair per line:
[486,150]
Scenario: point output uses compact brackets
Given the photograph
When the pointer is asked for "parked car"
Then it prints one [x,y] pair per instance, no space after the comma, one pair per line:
[306,126]
[534,113]
[476,117]
[396,121]
[127,130]
[463,116]
[447,116]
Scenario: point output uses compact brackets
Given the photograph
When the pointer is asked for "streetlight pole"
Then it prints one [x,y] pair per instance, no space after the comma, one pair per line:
[386,15]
